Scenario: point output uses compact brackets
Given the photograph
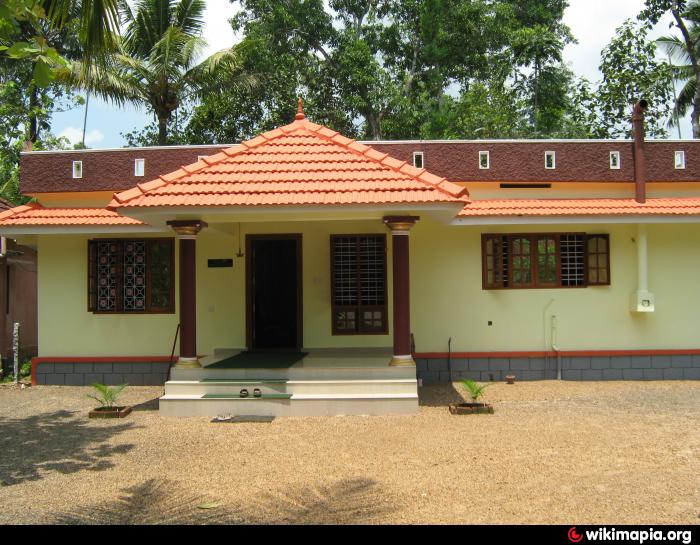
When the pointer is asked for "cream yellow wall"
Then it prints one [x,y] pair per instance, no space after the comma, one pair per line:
[447,299]
[446,295]
[221,292]
[66,328]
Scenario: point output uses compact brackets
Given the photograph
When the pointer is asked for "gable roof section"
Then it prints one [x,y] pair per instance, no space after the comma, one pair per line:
[688,206]
[37,215]
[298,164]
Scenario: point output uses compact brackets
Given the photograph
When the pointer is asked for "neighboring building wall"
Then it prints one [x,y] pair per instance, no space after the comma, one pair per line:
[18,274]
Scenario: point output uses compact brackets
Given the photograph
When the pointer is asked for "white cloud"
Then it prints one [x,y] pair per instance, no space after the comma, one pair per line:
[75,135]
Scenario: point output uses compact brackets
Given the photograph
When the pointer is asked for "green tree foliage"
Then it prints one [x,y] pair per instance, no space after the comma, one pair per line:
[157,63]
[542,80]
[630,72]
[398,69]
[685,15]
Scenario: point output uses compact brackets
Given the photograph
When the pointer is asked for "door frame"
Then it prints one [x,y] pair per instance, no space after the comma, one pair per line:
[249,239]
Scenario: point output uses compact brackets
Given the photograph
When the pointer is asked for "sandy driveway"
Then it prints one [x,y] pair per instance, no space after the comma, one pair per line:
[567,452]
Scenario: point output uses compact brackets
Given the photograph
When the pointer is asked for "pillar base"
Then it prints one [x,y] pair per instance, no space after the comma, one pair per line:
[404,361]
[188,363]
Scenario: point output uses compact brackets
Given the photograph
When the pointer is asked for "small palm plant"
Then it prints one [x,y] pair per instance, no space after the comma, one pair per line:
[476,390]
[107,396]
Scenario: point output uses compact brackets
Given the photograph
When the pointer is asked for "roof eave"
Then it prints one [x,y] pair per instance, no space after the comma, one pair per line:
[576,219]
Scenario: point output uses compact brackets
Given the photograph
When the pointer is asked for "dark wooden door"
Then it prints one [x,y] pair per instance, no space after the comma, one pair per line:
[274,292]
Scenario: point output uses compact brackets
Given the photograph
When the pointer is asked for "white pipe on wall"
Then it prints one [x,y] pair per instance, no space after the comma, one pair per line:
[642,298]
[642,258]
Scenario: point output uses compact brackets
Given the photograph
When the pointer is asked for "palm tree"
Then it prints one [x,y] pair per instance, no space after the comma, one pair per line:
[156,63]
[686,51]
[682,72]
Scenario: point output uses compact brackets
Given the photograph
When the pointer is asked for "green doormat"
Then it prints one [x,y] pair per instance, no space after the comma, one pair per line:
[271,360]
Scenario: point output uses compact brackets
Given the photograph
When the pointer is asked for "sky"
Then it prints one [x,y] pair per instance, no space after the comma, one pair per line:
[593,23]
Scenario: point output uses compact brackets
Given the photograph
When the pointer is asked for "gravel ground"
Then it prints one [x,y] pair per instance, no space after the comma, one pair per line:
[570,453]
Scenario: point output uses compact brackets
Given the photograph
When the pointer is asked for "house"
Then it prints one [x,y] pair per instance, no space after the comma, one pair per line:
[320,275]
[17,300]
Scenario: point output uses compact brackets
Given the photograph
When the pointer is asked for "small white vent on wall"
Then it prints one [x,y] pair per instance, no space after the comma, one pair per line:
[418,159]
[139,167]
[550,160]
[77,169]
[615,160]
[484,160]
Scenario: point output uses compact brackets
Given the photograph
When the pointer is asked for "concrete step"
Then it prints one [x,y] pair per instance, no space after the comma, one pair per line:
[197,387]
[296,373]
[298,405]
[296,387]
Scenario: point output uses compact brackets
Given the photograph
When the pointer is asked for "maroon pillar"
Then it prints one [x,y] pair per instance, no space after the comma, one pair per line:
[400,227]
[187,234]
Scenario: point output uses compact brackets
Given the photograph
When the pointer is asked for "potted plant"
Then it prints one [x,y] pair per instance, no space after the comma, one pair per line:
[107,396]
[476,391]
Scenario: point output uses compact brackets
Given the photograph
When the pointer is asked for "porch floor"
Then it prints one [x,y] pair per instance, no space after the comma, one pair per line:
[312,358]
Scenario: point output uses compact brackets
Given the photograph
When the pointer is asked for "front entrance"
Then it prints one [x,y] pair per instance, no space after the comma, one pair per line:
[273,292]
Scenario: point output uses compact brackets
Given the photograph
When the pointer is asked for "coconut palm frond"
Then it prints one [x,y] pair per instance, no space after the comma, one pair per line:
[675,48]
[189,16]
[108,82]
[98,22]
[685,98]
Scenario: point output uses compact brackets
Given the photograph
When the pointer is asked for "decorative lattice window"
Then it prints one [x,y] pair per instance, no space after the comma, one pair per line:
[358,294]
[131,276]
[545,260]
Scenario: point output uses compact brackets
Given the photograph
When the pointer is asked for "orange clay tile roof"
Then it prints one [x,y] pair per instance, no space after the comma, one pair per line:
[580,207]
[299,164]
[37,215]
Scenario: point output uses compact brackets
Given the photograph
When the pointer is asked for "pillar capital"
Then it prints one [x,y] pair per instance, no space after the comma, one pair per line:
[188,228]
[400,225]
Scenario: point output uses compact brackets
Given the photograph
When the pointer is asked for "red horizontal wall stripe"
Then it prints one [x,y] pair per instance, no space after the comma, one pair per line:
[98,359]
[551,354]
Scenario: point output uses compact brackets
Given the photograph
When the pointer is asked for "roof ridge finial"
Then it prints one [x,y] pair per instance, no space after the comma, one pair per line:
[300,109]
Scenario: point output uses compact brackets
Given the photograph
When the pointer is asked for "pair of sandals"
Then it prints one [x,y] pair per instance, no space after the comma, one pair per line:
[257,392]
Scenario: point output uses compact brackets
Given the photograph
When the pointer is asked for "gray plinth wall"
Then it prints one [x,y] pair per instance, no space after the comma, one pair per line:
[675,367]
[85,373]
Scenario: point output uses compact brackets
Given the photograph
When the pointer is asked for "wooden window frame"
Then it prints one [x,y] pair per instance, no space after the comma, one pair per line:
[92,277]
[359,308]
[506,272]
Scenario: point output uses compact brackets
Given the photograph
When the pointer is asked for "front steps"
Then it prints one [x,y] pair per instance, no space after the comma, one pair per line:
[291,392]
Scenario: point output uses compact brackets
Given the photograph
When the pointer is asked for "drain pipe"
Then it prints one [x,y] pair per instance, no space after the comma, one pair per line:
[554,345]
[449,357]
[642,299]
[3,246]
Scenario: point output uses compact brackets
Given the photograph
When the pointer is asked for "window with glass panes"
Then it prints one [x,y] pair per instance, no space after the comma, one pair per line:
[545,260]
[358,288]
